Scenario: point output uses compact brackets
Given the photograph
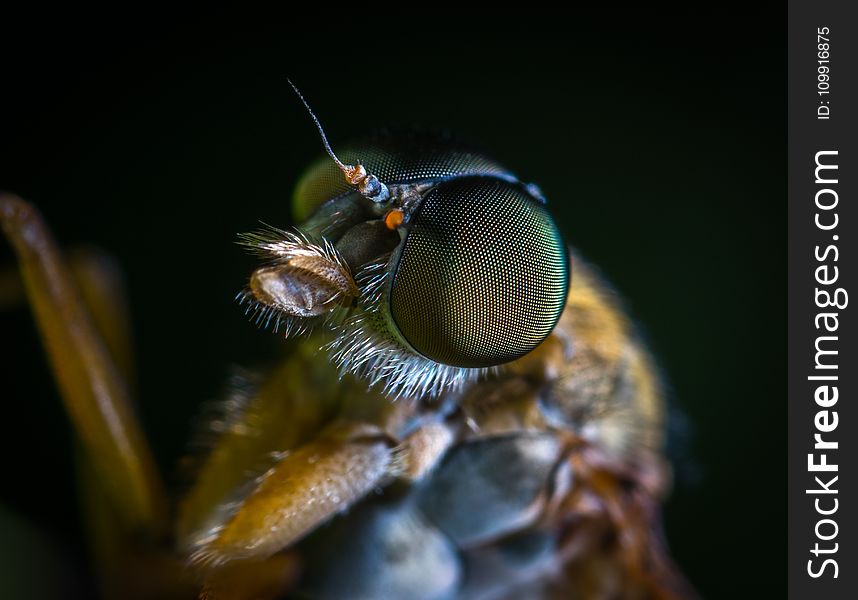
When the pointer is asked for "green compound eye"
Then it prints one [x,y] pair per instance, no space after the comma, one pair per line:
[483,274]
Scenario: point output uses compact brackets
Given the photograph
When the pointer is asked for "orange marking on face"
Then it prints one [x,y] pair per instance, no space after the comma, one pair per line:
[394,218]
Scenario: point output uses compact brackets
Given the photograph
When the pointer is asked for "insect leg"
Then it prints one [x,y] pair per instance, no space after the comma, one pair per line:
[99,280]
[95,395]
[305,487]
[125,567]
[248,432]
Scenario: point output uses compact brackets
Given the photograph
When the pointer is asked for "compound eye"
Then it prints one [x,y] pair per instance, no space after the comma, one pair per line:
[483,274]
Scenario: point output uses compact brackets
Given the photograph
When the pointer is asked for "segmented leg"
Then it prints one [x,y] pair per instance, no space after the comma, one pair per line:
[303,488]
[102,289]
[94,394]
[246,433]
[128,570]
[326,444]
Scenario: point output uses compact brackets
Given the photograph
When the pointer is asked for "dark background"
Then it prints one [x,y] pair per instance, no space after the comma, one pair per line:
[659,141]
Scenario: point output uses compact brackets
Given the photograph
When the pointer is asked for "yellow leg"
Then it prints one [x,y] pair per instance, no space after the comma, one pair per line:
[256,423]
[102,289]
[95,395]
[81,301]
[304,488]
[298,449]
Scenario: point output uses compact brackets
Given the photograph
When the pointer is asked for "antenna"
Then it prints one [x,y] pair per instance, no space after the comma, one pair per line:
[367,184]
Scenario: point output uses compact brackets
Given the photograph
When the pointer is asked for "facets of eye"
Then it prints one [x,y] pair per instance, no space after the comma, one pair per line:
[304,286]
[483,274]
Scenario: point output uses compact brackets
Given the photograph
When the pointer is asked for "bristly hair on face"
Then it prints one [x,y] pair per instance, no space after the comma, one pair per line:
[365,349]
[362,345]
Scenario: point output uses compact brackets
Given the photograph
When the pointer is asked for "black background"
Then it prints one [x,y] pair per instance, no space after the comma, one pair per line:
[659,141]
